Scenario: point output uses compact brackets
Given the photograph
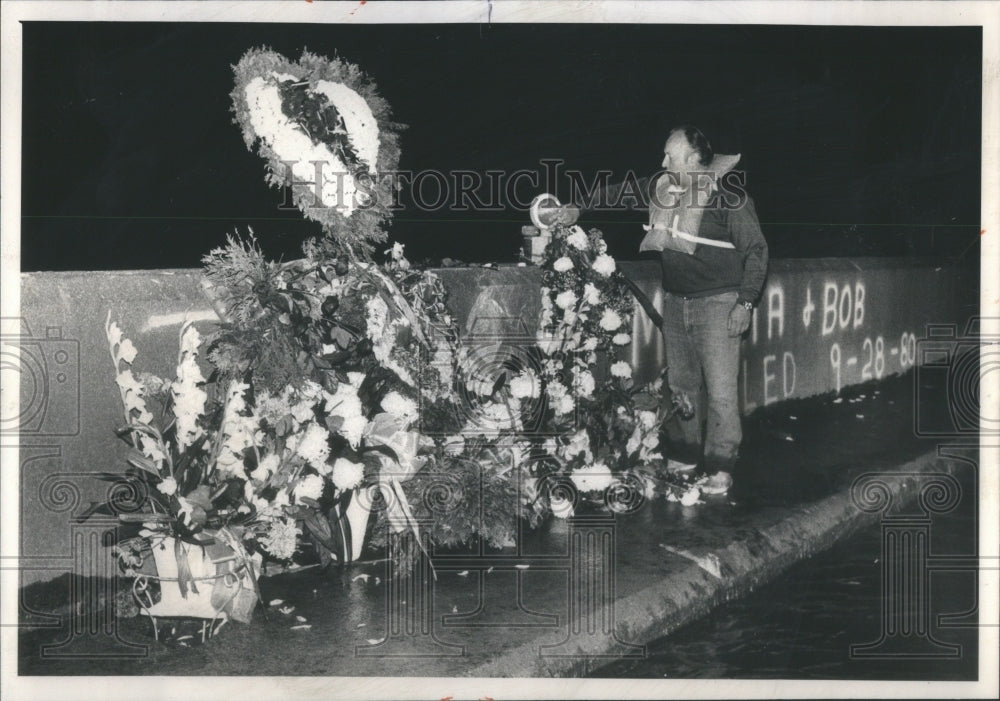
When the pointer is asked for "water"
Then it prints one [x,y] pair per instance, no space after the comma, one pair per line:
[802,625]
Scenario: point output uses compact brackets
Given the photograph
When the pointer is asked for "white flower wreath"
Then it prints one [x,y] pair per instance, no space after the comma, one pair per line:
[321,118]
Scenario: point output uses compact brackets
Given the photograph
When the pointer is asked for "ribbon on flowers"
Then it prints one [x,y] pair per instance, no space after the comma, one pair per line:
[386,430]
[184,576]
[244,560]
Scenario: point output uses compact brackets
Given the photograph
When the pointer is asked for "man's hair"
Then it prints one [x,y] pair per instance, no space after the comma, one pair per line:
[698,142]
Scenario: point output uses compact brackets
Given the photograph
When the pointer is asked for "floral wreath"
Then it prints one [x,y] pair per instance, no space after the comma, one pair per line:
[321,116]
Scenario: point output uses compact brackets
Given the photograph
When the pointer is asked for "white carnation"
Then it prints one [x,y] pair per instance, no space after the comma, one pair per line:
[594,478]
[591,295]
[610,320]
[399,406]
[621,369]
[314,445]
[621,339]
[565,405]
[281,538]
[354,429]
[524,385]
[308,487]
[604,265]
[347,474]
[566,299]
[563,264]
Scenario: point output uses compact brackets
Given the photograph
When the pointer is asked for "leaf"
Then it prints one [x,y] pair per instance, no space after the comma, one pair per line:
[108,476]
[139,460]
[342,337]
[200,496]
[500,382]
[319,528]
[96,507]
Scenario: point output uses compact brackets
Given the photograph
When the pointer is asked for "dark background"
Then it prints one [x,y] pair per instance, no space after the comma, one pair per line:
[856,141]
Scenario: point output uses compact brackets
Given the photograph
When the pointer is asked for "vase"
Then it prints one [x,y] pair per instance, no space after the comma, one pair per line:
[219,583]
[356,515]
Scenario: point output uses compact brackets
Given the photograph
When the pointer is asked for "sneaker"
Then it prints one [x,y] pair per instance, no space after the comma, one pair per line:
[674,466]
[719,483]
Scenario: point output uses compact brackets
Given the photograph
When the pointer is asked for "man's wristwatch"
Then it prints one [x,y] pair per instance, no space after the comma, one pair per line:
[747,305]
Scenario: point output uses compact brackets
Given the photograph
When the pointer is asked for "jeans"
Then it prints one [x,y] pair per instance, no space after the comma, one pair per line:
[703,362]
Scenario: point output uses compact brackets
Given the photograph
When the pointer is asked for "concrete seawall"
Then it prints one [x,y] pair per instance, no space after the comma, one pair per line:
[821,325]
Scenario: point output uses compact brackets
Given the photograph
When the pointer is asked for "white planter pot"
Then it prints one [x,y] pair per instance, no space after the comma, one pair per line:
[225,588]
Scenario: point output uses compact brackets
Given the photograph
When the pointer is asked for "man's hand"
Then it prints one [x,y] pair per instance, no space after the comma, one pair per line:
[739,320]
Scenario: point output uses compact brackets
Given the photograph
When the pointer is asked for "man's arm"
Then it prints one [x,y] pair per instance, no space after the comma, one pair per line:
[749,241]
[609,195]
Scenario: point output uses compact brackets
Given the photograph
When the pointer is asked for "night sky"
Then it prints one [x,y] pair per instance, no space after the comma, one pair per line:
[855,141]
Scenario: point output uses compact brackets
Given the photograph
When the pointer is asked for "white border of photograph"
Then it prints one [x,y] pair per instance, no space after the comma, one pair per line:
[859,12]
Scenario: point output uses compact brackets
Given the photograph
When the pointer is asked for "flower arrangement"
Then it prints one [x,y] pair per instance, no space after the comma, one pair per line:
[609,428]
[326,112]
[334,346]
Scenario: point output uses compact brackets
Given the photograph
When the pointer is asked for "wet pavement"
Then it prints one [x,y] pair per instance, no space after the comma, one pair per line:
[524,612]
[803,624]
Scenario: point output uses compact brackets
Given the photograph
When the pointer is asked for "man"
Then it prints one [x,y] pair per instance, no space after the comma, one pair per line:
[714,261]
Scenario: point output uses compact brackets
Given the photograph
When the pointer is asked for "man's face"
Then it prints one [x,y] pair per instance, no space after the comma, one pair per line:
[679,157]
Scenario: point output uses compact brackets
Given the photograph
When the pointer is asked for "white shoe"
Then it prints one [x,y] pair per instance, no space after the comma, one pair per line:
[719,483]
[674,466]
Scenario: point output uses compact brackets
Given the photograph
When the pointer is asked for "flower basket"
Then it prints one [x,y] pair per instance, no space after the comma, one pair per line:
[209,581]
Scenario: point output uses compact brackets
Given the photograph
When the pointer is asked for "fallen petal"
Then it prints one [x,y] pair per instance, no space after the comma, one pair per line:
[276,602]
[302,627]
